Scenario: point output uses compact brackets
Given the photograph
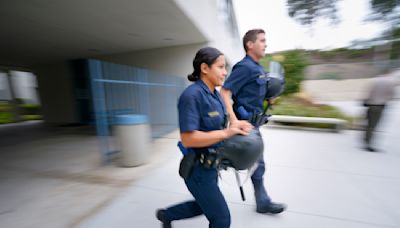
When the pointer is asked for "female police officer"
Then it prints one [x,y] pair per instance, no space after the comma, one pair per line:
[201,120]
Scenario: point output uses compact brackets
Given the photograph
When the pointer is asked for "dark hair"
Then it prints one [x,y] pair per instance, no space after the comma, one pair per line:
[251,35]
[206,55]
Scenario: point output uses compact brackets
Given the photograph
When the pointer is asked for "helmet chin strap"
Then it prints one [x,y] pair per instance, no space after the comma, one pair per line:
[240,185]
[250,172]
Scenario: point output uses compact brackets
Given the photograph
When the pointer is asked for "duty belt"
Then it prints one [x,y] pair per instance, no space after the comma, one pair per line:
[211,158]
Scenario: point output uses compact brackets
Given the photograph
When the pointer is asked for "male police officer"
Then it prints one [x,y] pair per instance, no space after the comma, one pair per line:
[246,86]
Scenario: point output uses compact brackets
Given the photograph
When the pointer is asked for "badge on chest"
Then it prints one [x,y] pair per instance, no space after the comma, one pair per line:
[213,114]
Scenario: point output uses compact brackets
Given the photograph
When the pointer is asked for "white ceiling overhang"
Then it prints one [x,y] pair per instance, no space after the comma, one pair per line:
[40,31]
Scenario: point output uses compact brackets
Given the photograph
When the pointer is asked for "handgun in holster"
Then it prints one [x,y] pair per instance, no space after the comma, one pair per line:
[256,119]
[259,119]
[186,165]
[187,162]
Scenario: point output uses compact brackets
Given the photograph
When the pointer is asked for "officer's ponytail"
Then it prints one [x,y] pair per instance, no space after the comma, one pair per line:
[206,55]
[193,77]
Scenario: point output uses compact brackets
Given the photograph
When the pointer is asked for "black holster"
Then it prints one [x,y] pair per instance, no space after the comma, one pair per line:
[259,119]
[186,165]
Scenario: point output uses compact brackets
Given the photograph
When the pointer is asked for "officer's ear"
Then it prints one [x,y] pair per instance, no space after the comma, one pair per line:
[249,44]
[204,68]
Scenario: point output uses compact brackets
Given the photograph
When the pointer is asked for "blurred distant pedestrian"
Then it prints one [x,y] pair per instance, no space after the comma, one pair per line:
[380,92]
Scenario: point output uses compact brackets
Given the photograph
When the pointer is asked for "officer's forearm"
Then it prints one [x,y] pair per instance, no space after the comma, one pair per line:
[226,96]
[197,139]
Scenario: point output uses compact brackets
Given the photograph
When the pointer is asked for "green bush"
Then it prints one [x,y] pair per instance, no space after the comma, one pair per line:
[294,64]
[5,117]
[290,105]
[294,106]
[28,112]
[31,117]
[30,109]
[265,62]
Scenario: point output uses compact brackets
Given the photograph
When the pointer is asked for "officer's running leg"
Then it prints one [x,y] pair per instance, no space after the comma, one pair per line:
[203,184]
[183,210]
[263,201]
[209,200]
[257,178]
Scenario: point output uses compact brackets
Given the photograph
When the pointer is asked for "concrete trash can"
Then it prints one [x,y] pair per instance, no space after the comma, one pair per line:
[133,138]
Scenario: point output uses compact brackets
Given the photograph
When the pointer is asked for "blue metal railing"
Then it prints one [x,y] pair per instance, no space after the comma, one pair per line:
[120,89]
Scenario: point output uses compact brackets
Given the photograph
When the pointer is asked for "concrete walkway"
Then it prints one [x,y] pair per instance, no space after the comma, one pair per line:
[53,177]
[327,180]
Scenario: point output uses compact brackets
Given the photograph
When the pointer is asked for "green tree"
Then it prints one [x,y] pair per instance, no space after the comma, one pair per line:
[386,11]
[306,12]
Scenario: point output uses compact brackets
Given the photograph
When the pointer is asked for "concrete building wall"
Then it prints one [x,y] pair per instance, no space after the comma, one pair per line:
[175,60]
[56,93]
[218,23]
[213,19]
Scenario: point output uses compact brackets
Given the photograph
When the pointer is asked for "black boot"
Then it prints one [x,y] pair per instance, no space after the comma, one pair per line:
[160,214]
[263,202]
[271,208]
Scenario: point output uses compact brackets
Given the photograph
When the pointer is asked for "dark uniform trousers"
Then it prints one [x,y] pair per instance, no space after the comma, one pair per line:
[257,178]
[261,195]
[203,184]
[374,114]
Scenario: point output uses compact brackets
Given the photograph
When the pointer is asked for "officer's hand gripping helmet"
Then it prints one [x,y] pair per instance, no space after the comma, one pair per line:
[275,80]
[242,151]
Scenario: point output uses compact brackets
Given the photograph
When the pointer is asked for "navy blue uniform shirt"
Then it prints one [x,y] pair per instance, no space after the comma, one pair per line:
[200,109]
[247,82]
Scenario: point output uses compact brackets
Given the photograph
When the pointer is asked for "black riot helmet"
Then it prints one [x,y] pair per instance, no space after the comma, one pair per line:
[275,80]
[242,151]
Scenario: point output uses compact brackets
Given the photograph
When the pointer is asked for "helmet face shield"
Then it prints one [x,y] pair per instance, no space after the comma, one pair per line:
[275,80]
[276,71]
[242,151]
